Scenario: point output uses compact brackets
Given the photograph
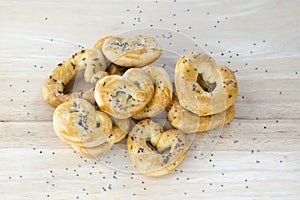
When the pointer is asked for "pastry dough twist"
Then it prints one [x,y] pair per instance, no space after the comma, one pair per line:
[124,96]
[189,122]
[201,86]
[163,92]
[134,51]
[90,60]
[89,131]
[151,161]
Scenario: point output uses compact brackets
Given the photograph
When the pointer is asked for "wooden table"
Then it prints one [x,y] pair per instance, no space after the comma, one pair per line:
[258,154]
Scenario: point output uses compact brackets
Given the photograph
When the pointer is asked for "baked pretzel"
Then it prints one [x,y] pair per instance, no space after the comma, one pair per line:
[120,129]
[151,161]
[89,131]
[189,122]
[93,151]
[163,92]
[201,86]
[134,51]
[77,122]
[124,96]
[90,60]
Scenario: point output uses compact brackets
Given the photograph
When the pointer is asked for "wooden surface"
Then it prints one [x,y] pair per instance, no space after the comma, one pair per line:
[258,154]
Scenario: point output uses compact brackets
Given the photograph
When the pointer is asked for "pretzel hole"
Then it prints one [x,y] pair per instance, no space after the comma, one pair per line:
[149,144]
[163,152]
[206,86]
[77,83]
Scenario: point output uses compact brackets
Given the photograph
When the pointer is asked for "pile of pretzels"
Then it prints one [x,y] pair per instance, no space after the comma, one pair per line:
[127,85]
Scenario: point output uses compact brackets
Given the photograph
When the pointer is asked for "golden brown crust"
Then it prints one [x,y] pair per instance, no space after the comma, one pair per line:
[124,96]
[163,92]
[152,162]
[98,44]
[96,151]
[90,60]
[121,128]
[77,122]
[216,92]
[189,122]
[89,131]
[134,51]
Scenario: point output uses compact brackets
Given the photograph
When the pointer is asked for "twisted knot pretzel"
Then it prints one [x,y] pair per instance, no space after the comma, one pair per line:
[90,60]
[151,161]
[202,87]
[163,92]
[134,51]
[124,96]
[90,132]
[189,122]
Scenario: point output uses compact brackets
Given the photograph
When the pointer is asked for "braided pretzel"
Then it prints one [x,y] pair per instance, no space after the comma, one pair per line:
[152,161]
[124,96]
[90,60]
[215,90]
[189,122]
[134,51]
[90,132]
[163,93]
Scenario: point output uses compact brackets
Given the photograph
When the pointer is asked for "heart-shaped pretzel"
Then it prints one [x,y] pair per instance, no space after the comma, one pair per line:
[124,96]
[89,131]
[77,122]
[134,51]
[163,92]
[202,87]
[90,60]
[189,122]
[151,161]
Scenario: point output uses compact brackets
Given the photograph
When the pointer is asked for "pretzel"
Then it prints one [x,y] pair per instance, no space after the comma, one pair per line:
[134,51]
[77,122]
[90,60]
[189,122]
[96,151]
[201,86]
[120,129]
[89,131]
[163,92]
[151,161]
[124,96]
